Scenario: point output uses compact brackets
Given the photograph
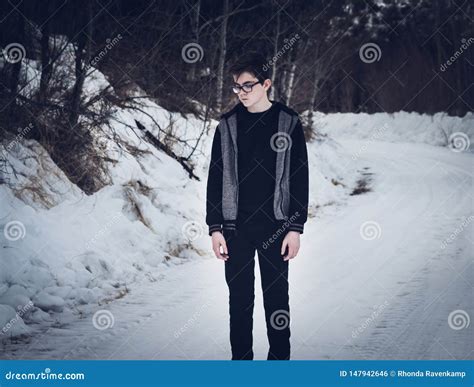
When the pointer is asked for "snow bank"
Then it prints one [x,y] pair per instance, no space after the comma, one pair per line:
[65,253]
[83,249]
[398,127]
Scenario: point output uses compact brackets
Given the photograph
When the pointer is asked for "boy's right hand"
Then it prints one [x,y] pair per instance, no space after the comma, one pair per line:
[218,240]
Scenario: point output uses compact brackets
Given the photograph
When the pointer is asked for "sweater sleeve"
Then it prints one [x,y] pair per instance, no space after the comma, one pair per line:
[299,180]
[214,217]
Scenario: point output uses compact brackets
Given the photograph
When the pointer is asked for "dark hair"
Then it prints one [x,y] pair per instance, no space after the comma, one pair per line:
[253,63]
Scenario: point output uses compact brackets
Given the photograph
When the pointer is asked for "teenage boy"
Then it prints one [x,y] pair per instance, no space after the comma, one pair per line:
[257,199]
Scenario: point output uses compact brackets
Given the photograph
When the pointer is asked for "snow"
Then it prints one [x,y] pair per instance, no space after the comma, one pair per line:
[397,127]
[354,294]
[64,251]
[77,250]
[139,248]
[12,323]
[47,301]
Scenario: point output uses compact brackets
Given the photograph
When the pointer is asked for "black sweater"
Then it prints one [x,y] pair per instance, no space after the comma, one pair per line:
[256,171]
[256,163]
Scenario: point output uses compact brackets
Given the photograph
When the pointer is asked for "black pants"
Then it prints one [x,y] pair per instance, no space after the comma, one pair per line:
[240,278]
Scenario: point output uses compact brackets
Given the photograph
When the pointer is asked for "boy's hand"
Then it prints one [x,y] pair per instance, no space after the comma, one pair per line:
[292,241]
[218,240]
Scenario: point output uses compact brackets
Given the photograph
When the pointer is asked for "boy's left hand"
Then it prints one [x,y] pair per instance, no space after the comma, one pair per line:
[292,241]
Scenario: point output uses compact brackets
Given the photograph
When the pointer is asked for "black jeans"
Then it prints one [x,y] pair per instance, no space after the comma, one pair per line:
[239,272]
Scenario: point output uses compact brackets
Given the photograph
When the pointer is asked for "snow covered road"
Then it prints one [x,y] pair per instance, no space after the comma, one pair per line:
[386,275]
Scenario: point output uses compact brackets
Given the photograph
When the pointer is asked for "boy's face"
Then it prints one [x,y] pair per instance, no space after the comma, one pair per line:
[259,90]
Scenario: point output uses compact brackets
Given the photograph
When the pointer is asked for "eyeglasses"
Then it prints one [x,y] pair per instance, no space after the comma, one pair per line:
[246,87]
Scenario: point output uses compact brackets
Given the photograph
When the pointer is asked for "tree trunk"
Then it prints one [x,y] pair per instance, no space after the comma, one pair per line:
[46,67]
[275,52]
[83,54]
[312,101]
[14,78]
[222,55]
[195,27]
[291,79]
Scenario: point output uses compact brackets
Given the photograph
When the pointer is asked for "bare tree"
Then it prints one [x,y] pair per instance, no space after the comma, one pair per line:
[46,66]
[83,55]
[276,39]
[222,55]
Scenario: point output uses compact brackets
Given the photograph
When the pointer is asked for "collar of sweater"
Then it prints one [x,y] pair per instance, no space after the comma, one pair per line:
[278,105]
